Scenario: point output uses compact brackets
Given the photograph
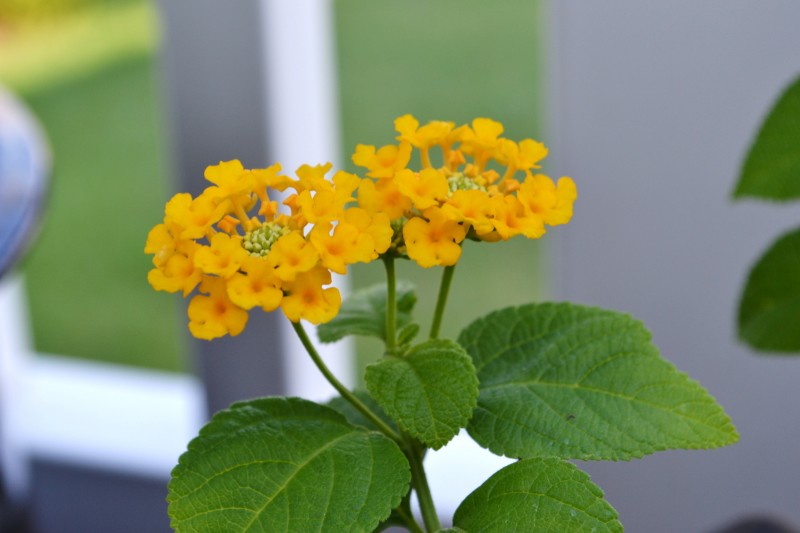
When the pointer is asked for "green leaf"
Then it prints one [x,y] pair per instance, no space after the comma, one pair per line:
[395,520]
[537,495]
[355,417]
[364,313]
[407,333]
[769,311]
[772,167]
[430,392]
[584,383]
[285,464]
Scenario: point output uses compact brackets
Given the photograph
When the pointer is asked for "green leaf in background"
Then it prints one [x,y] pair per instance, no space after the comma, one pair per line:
[772,167]
[285,464]
[769,311]
[364,313]
[407,333]
[430,392]
[584,383]
[537,495]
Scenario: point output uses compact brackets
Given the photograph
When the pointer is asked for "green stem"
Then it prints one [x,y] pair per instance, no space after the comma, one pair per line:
[344,391]
[391,304]
[420,481]
[444,289]
[408,518]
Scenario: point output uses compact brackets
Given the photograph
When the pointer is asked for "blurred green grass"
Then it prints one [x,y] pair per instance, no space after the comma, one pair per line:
[86,276]
[450,59]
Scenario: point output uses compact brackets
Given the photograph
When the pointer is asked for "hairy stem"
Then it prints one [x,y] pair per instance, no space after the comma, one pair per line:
[344,391]
[391,304]
[444,289]
[420,482]
[408,518]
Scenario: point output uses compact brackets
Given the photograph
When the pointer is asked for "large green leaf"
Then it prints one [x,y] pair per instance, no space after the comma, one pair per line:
[285,464]
[585,383]
[364,313]
[537,495]
[772,167]
[430,392]
[769,311]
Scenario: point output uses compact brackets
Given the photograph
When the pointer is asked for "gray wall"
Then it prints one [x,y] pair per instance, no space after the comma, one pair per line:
[654,106]
[213,72]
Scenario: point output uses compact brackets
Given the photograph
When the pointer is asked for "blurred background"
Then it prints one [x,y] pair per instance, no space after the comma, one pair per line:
[90,71]
[648,109]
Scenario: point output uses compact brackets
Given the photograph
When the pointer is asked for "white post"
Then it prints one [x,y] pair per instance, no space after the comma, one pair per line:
[303,127]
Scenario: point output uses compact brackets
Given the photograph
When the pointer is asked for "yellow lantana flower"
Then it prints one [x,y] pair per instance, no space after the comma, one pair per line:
[553,203]
[473,207]
[385,162]
[256,285]
[177,274]
[435,241]
[482,140]
[423,138]
[223,257]
[307,298]
[292,255]
[425,189]
[214,315]
[375,225]
[192,217]
[383,196]
[241,250]
[511,219]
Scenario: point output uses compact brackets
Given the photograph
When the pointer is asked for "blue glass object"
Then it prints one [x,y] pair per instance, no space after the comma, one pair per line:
[24,177]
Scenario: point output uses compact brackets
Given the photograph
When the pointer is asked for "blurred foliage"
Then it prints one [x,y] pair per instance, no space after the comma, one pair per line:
[13,12]
[769,308]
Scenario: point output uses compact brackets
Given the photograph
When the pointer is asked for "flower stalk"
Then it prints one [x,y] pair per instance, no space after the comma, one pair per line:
[391,303]
[341,389]
[441,301]
[420,483]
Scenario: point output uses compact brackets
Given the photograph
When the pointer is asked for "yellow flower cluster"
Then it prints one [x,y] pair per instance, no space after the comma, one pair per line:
[234,246]
[465,196]
[239,249]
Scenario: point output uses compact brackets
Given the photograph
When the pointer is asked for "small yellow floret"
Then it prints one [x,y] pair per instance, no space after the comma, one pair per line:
[473,207]
[433,242]
[223,257]
[383,197]
[193,216]
[256,286]
[306,298]
[425,189]
[385,162]
[552,203]
[215,315]
[292,255]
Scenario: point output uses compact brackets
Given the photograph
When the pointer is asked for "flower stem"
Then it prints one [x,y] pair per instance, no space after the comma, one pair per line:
[391,304]
[420,482]
[444,289]
[408,518]
[346,394]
